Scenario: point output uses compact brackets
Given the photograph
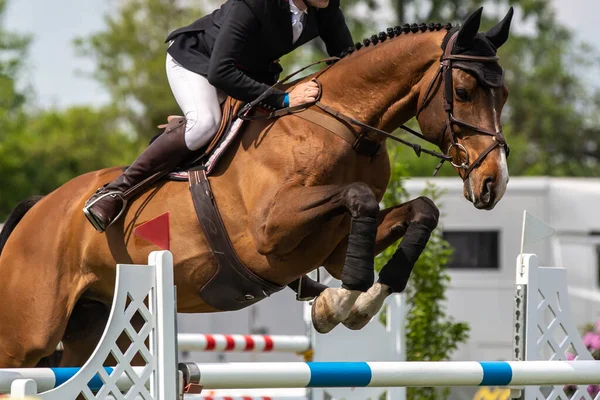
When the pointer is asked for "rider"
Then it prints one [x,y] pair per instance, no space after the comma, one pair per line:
[232,51]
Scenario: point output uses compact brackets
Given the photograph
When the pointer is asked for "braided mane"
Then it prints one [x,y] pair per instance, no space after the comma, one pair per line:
[398,30]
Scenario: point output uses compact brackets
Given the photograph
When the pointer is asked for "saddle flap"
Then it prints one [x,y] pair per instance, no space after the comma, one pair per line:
[229,109]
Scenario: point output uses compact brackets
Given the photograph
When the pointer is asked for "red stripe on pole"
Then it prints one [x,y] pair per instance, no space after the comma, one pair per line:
[268,343]
[249,343]
[211,343]
[230,343]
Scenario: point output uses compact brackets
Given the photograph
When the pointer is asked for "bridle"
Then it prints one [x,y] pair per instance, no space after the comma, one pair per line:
[445,72]
[366,146]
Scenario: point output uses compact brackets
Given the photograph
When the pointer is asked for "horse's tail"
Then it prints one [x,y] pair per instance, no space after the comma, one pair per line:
[15,216]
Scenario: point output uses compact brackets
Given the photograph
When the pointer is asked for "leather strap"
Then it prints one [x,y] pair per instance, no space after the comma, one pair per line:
[233,286]
[335,126]
[341,116]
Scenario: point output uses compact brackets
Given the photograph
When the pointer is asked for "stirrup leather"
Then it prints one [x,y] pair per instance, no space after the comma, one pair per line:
[93,218]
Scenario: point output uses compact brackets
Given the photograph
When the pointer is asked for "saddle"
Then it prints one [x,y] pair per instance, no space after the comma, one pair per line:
[229,109]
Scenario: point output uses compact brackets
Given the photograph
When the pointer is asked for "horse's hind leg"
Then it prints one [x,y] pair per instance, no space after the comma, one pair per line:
[84,331]
[310,206]
[414,220]
[36,303]
[29,331]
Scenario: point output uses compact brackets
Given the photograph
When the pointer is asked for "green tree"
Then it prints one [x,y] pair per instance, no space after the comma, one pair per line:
[41,151]
[130,60]
[56,146]
[13,51]
[549,116]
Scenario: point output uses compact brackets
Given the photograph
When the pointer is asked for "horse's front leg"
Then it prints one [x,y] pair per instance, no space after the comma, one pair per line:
[333,305]
[414,221]
[297,212]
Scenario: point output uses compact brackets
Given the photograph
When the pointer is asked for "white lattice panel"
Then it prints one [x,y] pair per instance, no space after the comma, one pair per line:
[550,333]
[140,292]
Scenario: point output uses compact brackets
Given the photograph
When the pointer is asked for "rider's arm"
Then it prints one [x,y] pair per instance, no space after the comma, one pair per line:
[333,29]
[223,73]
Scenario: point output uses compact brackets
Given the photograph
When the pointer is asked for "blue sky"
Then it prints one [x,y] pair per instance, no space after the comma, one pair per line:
[53,64]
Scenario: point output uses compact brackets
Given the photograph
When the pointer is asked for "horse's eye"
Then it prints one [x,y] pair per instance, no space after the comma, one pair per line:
[462,95]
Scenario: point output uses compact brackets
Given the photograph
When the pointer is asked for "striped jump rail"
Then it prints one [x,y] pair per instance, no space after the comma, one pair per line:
[232,397]
[345,374]
[201,397]
[391,374]
[237,397]
[249,394]
[245,396]
[243,343]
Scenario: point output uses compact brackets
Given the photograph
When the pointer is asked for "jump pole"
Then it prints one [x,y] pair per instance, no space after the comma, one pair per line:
[243,343]
[264,375]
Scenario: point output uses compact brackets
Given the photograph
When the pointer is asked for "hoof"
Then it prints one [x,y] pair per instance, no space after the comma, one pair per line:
[366,307]
[322,317]
[331,307]
[356,320]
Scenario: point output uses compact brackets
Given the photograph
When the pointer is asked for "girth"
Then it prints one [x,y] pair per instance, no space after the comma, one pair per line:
[233,286]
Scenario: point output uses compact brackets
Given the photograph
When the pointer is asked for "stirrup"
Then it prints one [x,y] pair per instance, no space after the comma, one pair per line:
[93,218]
[299,296]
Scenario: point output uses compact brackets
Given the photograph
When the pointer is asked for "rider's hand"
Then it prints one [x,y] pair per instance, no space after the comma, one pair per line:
[304,93]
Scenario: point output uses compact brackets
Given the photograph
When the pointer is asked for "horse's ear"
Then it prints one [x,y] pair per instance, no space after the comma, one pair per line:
[469,28]
[498,35]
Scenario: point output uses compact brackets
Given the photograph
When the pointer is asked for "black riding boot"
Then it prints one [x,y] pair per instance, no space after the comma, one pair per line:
[161,157]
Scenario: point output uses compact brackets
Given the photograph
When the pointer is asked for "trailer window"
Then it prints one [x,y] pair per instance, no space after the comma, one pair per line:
[474,249]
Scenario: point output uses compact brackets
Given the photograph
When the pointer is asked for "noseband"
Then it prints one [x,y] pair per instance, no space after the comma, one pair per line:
[445,72]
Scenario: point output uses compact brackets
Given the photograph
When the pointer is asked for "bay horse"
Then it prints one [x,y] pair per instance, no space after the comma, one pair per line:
[292,194]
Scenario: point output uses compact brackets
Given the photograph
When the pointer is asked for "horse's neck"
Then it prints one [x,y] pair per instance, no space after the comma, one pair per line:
[380,84]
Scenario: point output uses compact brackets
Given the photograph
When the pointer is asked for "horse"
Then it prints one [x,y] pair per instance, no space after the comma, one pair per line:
[294,195]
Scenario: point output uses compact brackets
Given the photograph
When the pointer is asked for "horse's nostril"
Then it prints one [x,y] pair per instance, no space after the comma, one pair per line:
[486,190]
[488,184]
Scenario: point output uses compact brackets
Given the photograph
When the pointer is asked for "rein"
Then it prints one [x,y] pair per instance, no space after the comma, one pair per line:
[287,110]
[444,73]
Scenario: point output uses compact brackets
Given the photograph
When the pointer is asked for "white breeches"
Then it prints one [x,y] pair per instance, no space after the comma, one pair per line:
[199,101]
